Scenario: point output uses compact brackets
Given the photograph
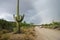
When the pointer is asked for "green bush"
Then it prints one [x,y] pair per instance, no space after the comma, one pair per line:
[52,25]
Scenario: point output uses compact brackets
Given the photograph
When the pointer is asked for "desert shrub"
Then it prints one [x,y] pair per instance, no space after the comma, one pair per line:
[14,29]
[4,31]
[27,34]
[4,37]
[53,25]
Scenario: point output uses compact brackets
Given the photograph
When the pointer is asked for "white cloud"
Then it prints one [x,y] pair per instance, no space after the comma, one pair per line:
[6,16]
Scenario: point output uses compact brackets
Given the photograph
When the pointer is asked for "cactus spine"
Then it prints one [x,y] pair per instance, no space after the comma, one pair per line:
[18,18]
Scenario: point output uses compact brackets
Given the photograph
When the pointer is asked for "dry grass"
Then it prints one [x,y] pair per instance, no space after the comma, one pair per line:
[26,34]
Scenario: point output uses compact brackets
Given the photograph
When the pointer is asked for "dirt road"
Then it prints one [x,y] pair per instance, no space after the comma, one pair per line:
[47,34]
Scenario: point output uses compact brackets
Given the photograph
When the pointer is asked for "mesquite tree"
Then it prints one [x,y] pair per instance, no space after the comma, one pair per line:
[18,18]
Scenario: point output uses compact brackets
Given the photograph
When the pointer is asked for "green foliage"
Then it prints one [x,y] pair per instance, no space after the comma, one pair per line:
[52,25]
[7,25]
[4,24]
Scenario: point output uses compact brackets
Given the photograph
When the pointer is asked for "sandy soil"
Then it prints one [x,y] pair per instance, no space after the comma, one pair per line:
[47,34]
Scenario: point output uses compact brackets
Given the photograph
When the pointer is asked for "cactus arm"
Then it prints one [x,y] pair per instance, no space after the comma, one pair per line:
[14,17]
[22,17]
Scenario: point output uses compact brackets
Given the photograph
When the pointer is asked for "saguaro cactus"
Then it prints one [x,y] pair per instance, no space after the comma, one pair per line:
[18,18]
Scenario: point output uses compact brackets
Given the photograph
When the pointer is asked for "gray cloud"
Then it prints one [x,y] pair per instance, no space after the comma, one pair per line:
[36,11]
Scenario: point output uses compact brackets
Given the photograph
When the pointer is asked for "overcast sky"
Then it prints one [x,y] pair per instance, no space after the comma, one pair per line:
[36,11]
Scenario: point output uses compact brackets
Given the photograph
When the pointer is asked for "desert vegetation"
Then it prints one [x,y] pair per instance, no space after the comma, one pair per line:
[7,31]
[53,25]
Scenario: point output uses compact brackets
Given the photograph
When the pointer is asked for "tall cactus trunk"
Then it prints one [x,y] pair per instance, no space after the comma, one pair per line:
[17,13]
[18,27]
[18,18]
[17,8]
